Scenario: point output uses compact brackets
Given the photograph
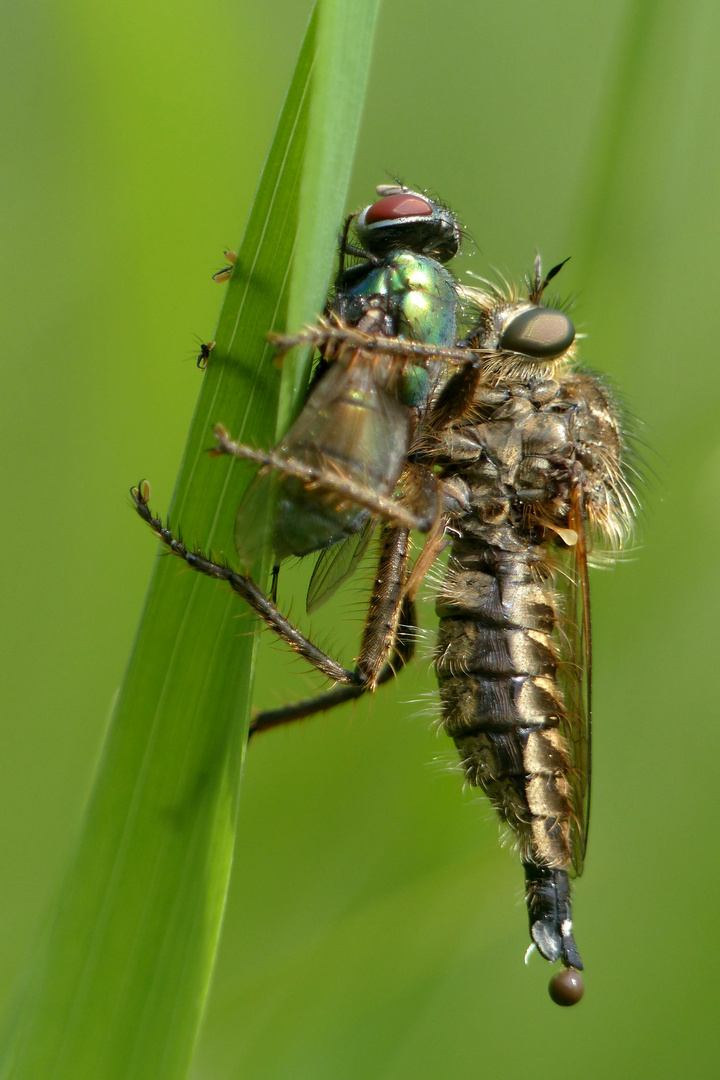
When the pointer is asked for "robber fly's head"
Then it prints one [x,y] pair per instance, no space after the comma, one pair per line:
[407,219]
[521,331]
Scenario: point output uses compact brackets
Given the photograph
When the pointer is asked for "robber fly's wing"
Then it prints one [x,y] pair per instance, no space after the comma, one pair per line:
[576,676]
[335,565]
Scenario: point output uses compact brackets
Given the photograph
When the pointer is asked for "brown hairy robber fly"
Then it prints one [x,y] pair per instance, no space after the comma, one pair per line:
[494,444]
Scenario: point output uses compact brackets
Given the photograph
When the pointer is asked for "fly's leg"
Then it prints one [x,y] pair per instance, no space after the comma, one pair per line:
[388,638]
[387,642]
[432,549]
[383,633]
[246,588]
[390,631]
[457,396]
[386,603]
[319,478]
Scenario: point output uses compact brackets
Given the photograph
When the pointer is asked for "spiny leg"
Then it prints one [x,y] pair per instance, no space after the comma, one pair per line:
[386,603]
[326,332]
[403,651]
[381,636]
[431,551]
[246,588]
[391,625]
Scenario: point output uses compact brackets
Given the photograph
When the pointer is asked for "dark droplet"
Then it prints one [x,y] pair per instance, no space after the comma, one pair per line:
[566,987]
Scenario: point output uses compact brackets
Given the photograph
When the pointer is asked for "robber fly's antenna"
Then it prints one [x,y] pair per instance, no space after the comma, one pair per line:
[539,284]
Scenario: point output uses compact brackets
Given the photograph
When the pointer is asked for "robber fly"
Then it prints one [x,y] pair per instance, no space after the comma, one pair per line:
[540,452]
[525,454]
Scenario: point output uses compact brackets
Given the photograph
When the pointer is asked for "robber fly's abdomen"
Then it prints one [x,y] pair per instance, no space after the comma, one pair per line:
[497,668]
[539,461]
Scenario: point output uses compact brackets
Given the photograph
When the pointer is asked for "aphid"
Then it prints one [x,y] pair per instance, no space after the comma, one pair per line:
[204,354]
[224,275]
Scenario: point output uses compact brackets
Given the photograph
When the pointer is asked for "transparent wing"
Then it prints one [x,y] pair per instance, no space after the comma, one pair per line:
[576,676]
[255,519]
[335,565]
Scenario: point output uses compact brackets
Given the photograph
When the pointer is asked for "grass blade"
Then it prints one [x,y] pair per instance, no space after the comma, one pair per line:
[118,985]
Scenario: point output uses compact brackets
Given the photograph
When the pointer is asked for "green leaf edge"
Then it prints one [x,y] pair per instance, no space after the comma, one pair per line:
[117,985]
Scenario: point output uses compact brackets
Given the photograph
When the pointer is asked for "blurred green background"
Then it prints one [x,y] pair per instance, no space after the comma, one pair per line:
[374,928]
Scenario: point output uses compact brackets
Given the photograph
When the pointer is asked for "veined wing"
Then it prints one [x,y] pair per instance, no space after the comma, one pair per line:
[335,565]
[575,673]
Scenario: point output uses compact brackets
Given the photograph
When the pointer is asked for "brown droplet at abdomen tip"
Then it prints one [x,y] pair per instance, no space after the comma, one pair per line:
[566,987]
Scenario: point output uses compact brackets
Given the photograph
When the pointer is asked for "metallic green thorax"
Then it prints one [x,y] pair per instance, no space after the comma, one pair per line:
[423,292]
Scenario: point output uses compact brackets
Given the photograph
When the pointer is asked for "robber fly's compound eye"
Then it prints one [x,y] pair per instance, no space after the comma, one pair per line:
[540,333]
[406,219]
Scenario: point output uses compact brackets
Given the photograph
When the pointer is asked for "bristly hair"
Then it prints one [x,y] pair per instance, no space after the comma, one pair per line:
[486,306]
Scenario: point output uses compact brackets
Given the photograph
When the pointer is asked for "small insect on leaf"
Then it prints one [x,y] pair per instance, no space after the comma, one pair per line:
[224,274]
[204,354]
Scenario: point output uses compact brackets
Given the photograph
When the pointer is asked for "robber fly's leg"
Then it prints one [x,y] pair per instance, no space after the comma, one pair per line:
[388,639]
[246,588]
[375,641]
[456,398]
[386,603]
[326,332]
[431,550]
[404,648]
[316,478]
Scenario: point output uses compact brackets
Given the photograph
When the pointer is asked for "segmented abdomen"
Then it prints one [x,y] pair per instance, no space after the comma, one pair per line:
[510,657]
[497,669]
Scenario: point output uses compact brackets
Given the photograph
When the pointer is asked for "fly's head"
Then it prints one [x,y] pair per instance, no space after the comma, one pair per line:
[406,219]
[521,335]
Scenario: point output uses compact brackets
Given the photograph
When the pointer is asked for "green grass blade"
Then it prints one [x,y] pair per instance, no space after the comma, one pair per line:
[119,983]
[345,34]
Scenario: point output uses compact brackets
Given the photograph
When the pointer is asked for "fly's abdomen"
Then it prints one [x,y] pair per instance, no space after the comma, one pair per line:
[357,442]
[422,292]
[497,667]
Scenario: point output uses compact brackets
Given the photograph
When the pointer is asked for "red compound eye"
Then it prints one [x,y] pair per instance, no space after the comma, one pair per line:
[406,204]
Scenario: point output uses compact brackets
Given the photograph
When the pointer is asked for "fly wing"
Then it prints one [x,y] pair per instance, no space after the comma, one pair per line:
[576,676]
[255,520]
[335,565]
